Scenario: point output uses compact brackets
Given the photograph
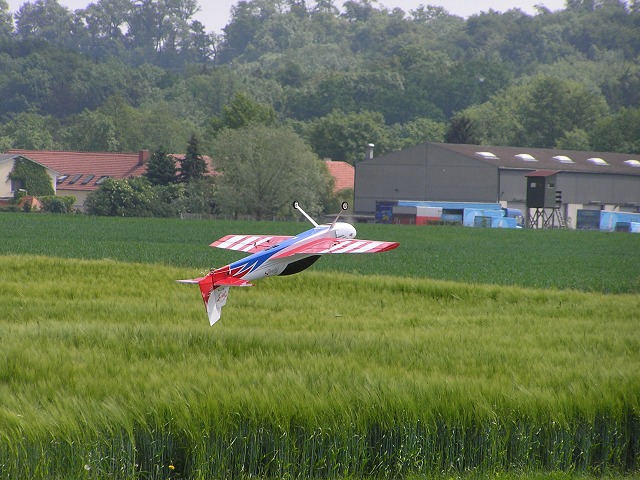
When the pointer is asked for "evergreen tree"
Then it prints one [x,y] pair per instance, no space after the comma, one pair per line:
[461,131]
[193,167]
[161,168]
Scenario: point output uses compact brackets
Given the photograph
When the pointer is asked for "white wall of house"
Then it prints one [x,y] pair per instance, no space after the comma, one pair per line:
[81,197]
[5,181]
[7,186]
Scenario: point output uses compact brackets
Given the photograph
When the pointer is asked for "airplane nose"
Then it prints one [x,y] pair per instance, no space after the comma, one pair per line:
[352,232]
[345,230]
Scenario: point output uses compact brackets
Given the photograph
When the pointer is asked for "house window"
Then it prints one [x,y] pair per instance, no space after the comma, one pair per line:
[75,178]
[17,184]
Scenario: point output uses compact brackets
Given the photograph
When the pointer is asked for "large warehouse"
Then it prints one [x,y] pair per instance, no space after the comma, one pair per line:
[475,173]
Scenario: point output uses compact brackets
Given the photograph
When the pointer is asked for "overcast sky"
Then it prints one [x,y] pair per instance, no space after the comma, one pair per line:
[214,14]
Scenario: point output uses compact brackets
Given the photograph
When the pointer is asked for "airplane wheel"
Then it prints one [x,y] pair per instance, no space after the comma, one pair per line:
[345,205]
[296,205]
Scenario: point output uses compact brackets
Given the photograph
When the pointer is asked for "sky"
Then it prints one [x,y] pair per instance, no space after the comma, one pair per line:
[214,14]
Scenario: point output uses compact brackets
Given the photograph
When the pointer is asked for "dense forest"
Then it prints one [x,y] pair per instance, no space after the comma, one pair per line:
[122,75]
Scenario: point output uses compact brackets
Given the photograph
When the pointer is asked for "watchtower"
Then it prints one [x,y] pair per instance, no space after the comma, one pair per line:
[544,199]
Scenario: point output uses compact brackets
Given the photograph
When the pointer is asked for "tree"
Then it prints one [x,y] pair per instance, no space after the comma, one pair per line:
[161,168]
[619,132]
[105,23]
[46,20]
[554,107]
[264,169]
[242,111]
[344,136]
[91,132]
[576,139]
[193,167]
[6,20]
[415,132]
[127,121]
[31,131]
[461,131]
[538,113]
[239,33]
[201,46]
[358,10]
[133,197]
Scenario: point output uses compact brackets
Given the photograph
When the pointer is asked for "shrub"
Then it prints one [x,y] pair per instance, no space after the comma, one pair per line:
[57,204]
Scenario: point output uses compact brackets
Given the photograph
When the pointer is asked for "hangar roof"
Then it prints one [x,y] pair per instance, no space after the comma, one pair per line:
[523,158]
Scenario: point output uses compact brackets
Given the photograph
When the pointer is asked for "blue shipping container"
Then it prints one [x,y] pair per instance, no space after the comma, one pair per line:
[470,214]
[608,220]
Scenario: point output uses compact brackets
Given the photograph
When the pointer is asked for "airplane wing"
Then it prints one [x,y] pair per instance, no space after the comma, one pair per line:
[338,245]
[248,243]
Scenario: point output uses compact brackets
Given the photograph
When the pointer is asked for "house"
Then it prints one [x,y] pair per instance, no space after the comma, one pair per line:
[83,172]
[8,187]
[480,173]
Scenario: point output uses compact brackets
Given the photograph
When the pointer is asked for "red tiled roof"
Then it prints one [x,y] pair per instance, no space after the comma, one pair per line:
[81,171]
[343,173]
[78,167]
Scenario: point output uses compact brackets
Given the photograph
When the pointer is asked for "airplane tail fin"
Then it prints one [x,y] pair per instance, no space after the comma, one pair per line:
[215,290]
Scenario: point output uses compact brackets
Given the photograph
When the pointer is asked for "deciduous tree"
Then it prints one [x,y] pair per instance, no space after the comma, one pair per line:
[242,111]
[264,169]
[132,197]
[6,20]
[344,136]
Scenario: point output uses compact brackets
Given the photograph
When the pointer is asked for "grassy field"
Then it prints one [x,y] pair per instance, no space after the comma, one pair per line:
[110,369]
[589,261]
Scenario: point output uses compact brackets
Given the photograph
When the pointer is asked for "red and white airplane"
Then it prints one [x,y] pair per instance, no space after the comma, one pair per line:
[278,255]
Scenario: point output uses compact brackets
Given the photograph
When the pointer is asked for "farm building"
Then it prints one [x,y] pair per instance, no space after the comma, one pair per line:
[582,181]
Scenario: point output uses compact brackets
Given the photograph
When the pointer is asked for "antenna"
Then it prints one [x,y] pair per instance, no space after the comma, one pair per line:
[343,206]
[296,205]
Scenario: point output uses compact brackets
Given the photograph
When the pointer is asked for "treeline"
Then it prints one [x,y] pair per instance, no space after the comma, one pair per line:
[122,75]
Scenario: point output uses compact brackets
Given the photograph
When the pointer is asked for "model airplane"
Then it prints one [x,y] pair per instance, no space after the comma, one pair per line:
[278,255]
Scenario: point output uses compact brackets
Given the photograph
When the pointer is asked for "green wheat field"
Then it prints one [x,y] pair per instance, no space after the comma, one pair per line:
[463,353]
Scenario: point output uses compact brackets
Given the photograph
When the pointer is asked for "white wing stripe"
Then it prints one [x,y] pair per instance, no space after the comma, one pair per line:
[348,248]
[254,242]
[343,247]
[332,248]
[368,246]
[231,241]
[263,240]
[246,244]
